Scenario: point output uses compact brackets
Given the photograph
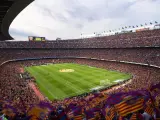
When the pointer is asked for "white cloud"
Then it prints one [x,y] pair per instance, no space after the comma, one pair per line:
[70,18]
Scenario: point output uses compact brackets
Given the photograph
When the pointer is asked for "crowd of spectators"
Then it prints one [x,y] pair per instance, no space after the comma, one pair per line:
[148,38]
[139,47]
[138,55]
[16,89]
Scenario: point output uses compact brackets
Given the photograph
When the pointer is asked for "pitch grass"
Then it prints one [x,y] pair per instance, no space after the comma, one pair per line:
[59,85]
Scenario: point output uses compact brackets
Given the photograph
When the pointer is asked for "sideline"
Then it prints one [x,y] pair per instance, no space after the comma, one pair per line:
[37,92]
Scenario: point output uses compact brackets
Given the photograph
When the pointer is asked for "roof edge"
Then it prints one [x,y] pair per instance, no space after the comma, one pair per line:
[11,14]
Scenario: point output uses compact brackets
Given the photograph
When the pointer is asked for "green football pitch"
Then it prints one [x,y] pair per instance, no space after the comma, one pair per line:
[59,81]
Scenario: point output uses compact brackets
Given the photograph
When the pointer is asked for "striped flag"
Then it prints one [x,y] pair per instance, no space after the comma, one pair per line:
[78,117]
[133,117]
[110,113]
[149,107]
[130,105]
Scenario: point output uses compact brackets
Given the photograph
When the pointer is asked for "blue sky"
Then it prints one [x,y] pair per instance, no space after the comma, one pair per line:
[69,18]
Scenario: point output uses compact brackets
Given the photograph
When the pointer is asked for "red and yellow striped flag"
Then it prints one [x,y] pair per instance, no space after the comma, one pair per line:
[78,117]
[129,106]
[110,113]
[134,116]
[149,107]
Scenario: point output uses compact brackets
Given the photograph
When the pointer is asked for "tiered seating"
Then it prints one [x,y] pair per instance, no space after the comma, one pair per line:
[141,47]
[91,106]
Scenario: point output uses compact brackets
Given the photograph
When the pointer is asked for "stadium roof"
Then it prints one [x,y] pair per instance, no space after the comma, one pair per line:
[9,9]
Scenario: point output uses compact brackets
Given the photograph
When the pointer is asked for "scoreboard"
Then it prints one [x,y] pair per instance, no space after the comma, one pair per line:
[33,38]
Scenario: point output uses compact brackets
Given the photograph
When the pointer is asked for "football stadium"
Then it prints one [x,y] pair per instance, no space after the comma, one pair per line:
[114,75]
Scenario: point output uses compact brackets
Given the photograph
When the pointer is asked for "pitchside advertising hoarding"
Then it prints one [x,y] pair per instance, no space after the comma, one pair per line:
[34,38]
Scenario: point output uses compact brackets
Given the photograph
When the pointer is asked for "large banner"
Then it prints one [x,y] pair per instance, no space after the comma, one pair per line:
[33,38]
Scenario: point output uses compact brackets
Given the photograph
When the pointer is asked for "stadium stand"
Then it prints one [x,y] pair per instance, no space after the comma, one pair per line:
[99,42]
[149,55]
[135,53]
